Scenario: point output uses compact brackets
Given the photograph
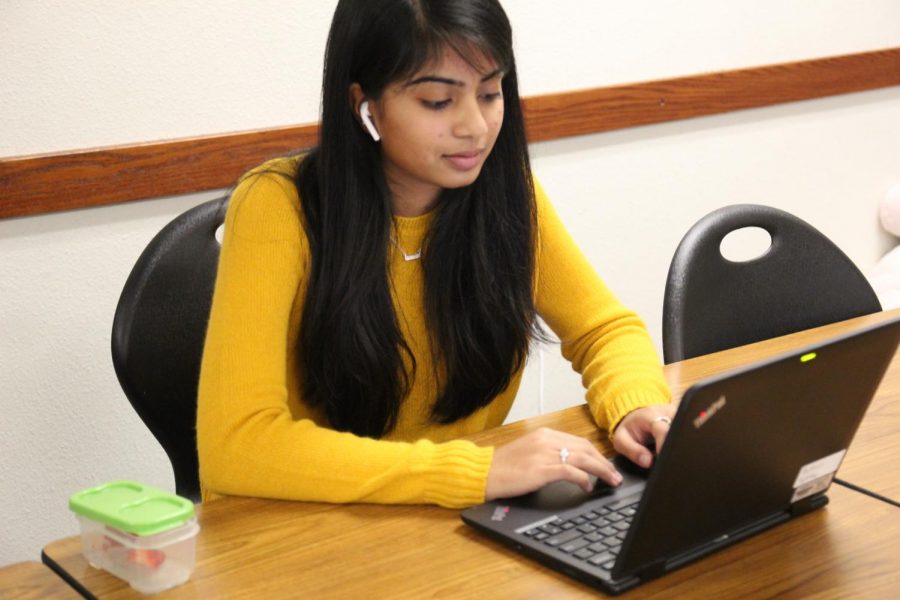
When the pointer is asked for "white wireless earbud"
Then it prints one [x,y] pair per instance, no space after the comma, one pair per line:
[366,117]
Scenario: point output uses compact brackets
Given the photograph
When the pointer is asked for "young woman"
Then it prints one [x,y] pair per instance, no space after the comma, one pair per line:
[376,298]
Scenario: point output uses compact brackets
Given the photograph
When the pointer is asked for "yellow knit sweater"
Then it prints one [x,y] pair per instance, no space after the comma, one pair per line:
[257,437]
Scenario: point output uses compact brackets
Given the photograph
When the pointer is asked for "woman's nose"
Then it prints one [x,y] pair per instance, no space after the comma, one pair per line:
[471,121]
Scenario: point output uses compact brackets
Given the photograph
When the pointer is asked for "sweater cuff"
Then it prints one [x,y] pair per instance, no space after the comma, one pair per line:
[456,473]
[609,414]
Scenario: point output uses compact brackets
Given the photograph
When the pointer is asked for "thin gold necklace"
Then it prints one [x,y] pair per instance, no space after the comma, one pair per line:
[407,257]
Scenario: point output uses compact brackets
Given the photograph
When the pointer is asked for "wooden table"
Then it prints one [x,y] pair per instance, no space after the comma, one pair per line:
[32,580]
[253,548]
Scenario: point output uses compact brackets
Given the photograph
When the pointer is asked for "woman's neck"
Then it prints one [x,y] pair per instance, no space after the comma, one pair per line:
[402,208]
[412,200]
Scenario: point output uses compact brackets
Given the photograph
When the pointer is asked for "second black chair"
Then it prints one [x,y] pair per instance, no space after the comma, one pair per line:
[159,331]
[803,280]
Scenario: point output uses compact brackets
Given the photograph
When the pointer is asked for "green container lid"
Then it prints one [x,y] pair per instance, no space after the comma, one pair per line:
[132,507]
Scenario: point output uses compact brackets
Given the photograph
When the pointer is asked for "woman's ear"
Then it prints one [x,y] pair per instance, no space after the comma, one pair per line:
[356,97]
[360,106]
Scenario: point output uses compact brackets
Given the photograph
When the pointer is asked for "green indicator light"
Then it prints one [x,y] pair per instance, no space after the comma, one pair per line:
[807,357]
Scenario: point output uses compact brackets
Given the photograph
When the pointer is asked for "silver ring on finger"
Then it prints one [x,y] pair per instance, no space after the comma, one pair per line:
[564,455]
[662,419]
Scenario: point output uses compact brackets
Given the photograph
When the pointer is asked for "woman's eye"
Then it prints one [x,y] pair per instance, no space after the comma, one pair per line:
[492,97]
[435,104]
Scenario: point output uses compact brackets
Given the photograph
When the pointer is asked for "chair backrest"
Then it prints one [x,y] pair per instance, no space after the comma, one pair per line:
[159,329]
[803,280]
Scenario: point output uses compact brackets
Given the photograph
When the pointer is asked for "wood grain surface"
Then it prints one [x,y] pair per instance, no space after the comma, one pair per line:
[262,548]
[254,548]
[33,581]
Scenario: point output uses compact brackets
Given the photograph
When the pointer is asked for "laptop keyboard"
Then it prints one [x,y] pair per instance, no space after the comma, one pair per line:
[594,536]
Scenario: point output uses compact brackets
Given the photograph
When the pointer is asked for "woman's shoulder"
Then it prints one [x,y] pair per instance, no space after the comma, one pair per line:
[541,200]
[282,166]
[265,205]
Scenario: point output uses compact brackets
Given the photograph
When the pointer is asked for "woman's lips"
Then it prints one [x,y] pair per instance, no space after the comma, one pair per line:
[464,161]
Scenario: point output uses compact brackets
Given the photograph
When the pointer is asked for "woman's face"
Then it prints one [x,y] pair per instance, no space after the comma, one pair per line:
[437,129]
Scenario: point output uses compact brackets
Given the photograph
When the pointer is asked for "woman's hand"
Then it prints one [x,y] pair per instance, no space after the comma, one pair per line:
[638,428]
[536,459]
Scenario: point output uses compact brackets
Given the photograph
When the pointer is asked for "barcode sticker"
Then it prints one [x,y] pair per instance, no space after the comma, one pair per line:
[819,468]
[812,487]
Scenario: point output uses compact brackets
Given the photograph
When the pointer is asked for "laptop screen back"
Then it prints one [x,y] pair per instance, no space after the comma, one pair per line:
[748,445]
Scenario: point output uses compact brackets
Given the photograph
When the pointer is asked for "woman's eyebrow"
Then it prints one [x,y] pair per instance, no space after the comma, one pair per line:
[434,79]
[449,81]
[493,74]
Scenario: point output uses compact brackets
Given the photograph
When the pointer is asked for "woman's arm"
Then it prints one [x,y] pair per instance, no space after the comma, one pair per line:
[606,342]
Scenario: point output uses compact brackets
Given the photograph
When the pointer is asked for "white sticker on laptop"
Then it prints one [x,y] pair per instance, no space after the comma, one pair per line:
[812,487]
[819,468]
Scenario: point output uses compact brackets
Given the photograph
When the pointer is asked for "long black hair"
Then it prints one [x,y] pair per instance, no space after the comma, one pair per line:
[478,255]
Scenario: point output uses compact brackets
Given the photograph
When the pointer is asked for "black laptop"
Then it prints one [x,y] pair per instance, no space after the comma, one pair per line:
[747,450]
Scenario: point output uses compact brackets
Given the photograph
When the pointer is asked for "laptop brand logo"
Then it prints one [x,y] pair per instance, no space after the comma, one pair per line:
[709,413]
[500,513]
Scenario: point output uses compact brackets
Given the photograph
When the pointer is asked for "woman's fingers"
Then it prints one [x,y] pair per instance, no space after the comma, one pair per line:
[659,427]
[593,463]
[542,457]
[546,455]
[632,449]
[638,428]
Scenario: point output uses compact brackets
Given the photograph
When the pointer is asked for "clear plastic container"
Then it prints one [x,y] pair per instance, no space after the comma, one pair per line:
[141,534]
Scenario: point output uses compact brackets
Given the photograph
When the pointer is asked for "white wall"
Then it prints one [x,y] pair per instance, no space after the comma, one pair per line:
[101,72]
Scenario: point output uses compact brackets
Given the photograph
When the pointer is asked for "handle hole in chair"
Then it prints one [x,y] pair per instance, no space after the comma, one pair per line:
[745,244]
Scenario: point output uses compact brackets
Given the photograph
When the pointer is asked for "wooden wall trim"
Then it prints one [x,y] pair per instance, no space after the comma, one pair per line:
[605,109]
[47,183]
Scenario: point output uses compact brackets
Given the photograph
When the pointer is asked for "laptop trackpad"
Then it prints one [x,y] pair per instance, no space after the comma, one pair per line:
[561,495]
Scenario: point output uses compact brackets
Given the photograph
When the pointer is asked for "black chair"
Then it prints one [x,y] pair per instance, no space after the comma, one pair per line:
[159,329]
[803,280]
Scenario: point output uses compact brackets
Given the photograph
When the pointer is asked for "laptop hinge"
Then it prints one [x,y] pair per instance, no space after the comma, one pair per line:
[808,504]
[652,571]
[726,540]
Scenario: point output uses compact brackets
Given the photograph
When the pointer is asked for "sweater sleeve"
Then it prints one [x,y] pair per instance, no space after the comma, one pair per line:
[606,342]
[249,442]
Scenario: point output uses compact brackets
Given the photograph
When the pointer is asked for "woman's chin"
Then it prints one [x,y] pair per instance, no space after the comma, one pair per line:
[461,179]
